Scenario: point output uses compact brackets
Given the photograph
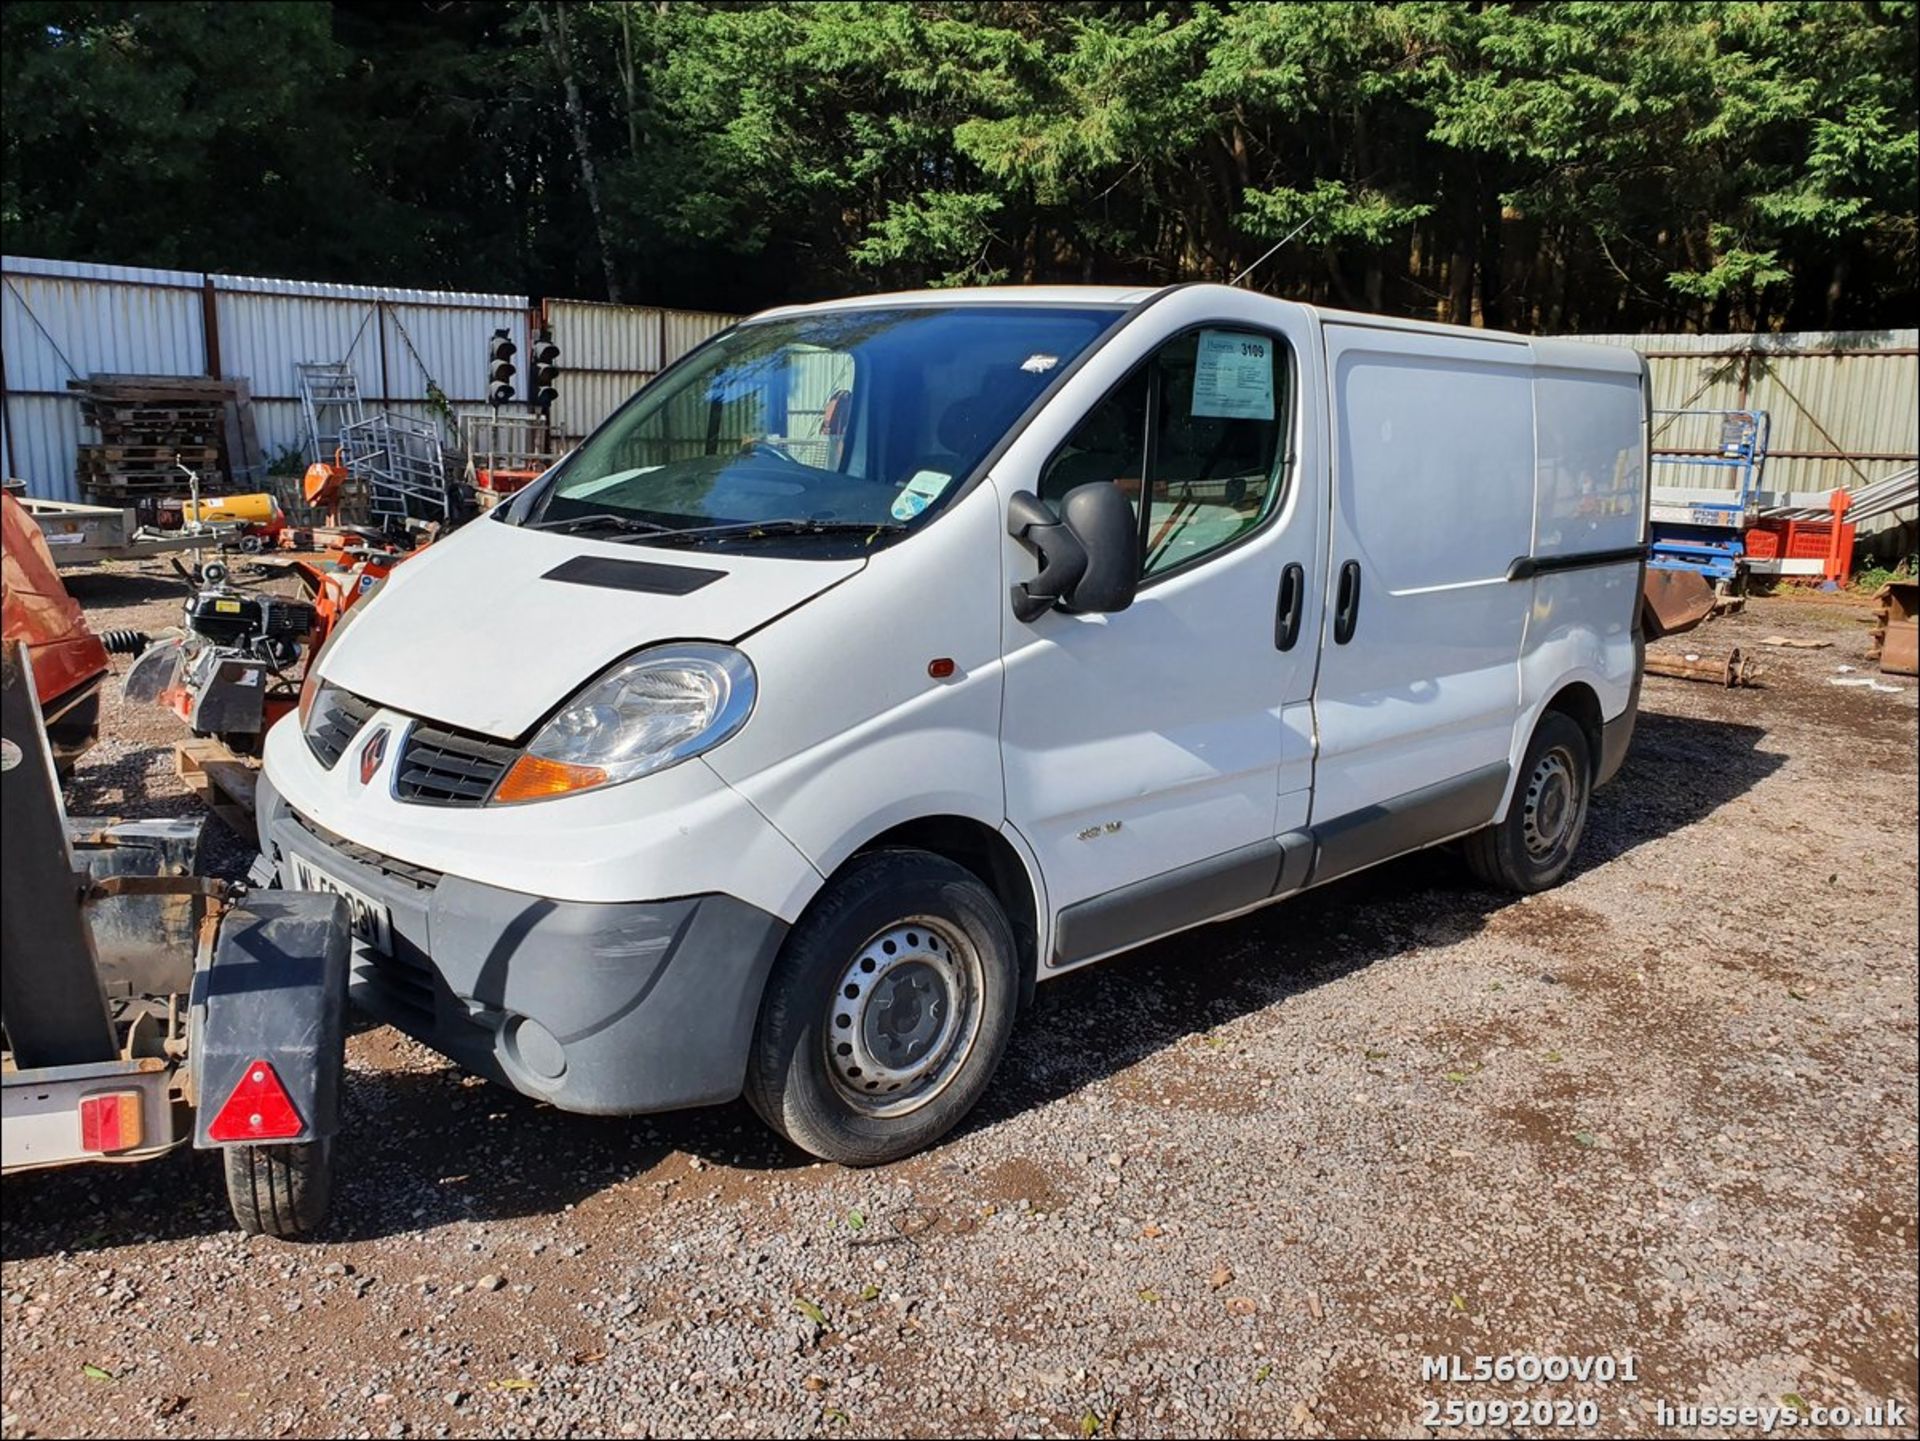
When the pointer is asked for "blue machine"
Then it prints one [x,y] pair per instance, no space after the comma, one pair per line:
[1689,532]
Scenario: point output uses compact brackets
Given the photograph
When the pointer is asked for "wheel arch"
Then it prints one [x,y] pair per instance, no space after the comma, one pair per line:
[1575,697]
[1580,703]
[986,853]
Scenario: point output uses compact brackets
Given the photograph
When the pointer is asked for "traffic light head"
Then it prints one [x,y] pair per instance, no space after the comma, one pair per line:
[546,370]
[500,367]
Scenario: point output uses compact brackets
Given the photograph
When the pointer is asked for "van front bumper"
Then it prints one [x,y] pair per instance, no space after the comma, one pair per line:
[605,1008]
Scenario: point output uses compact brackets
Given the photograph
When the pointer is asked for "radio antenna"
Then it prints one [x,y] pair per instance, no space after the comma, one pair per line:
[1275,246]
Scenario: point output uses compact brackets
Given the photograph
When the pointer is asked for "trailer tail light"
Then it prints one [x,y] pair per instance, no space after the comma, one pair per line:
[110,1122]
[258,1110]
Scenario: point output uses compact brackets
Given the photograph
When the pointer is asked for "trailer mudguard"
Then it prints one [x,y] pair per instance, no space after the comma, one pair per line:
[274,990]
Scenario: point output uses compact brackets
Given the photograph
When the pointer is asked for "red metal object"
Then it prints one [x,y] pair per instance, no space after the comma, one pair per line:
[1813,540]
[69,662]
[258,1110]
[1840,544]
[1765,538]
[504,482]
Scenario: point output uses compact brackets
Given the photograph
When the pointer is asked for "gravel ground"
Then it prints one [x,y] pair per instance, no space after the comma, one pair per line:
[1240,1182]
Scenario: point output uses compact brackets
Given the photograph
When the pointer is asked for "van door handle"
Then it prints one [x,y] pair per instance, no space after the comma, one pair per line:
[1346,609]
[1286,620]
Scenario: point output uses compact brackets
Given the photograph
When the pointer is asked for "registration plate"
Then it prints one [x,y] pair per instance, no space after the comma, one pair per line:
[371,923]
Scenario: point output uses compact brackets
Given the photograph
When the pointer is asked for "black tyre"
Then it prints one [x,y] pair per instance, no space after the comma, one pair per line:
[1531,849]
[280,1190]
[887,1012]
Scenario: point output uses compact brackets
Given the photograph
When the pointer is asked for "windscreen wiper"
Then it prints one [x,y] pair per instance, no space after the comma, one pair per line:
[795,525]
[600,519]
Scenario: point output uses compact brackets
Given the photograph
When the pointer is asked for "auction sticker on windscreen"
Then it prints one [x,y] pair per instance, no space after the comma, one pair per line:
[1233,375]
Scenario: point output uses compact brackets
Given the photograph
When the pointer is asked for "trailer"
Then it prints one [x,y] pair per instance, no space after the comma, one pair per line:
[78,534]
[148,1008]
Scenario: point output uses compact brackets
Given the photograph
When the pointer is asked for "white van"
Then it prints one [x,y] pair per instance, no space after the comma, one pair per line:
[883,658]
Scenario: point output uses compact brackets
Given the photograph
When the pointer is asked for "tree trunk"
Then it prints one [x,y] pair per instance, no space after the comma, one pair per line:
[1460,268]
[1836,287]
[629,80]
[553,30]
[1493,306]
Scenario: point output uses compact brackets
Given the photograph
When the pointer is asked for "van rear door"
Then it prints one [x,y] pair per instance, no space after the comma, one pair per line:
[1433,499]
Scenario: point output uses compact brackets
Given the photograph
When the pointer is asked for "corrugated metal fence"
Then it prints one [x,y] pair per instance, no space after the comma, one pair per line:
[609,351]
[62,321]
[1843,406]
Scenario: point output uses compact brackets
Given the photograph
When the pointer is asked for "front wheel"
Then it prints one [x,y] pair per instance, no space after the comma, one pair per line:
[887,1011]
[1531,849]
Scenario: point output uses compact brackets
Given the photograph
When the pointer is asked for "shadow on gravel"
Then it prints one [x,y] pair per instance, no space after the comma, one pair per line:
[1679,770]
[420,1149]
[121,787]
[1095,1022]
[106,587]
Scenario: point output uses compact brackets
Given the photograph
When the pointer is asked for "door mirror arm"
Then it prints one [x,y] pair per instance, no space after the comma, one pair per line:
[1063,560]
[1089,554]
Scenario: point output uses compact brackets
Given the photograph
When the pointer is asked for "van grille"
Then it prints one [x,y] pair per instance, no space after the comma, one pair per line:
[450,768]
[345,714]
[421,878]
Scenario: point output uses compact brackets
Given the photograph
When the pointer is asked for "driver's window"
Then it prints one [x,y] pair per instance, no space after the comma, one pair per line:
[1196,431]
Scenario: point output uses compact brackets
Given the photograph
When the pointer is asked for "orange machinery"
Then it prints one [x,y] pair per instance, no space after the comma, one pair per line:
[68,660]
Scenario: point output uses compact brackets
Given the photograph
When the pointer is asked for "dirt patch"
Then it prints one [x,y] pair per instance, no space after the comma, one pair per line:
[1550,924]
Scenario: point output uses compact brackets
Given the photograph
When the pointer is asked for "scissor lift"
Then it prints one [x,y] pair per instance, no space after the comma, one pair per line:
[1702,529]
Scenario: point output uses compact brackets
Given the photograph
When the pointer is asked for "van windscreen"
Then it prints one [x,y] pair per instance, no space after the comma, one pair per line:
[824,424]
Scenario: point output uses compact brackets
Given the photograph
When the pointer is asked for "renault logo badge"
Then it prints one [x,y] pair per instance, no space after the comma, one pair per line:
[372,753]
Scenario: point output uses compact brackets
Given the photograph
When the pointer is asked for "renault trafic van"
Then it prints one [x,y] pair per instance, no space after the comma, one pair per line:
[883,658]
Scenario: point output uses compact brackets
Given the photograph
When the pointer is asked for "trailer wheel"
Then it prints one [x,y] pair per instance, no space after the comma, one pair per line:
[280,1190]
[887,1011]
[1531,849]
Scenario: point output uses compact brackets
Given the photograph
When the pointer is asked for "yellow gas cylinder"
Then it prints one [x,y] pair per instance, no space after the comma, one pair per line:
[257,508]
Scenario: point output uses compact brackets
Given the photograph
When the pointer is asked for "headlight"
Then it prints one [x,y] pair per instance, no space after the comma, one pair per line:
[651,711]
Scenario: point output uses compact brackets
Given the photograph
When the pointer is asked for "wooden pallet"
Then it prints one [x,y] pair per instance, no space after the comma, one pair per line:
[222,780]
[155,389]
[93,454]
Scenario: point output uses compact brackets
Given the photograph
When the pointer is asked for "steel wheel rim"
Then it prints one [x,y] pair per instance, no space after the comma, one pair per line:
[1553,803]
[903,1017]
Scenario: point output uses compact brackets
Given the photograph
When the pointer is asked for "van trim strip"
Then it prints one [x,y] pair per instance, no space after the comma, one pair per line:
[1422,817]
[1173,900]
[1250,876]
[1526,567]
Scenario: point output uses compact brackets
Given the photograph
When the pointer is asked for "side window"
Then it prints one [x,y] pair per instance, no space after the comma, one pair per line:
[1194,436]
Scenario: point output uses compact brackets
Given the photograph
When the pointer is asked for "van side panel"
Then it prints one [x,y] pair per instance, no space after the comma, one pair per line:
[1433,485]
[1589,524]
[852,736]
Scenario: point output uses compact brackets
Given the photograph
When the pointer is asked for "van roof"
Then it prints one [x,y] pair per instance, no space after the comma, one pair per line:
[1563,352]
[1118,295]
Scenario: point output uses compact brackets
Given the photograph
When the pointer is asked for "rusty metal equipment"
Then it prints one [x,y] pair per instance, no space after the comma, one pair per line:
[1675,601]
[1735,670]
[1896,633]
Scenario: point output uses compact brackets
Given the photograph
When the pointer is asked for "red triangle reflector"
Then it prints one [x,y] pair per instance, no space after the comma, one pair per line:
[258,1110]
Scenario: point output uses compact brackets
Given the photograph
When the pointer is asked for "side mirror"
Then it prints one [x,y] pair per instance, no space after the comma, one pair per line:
[1089,554]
